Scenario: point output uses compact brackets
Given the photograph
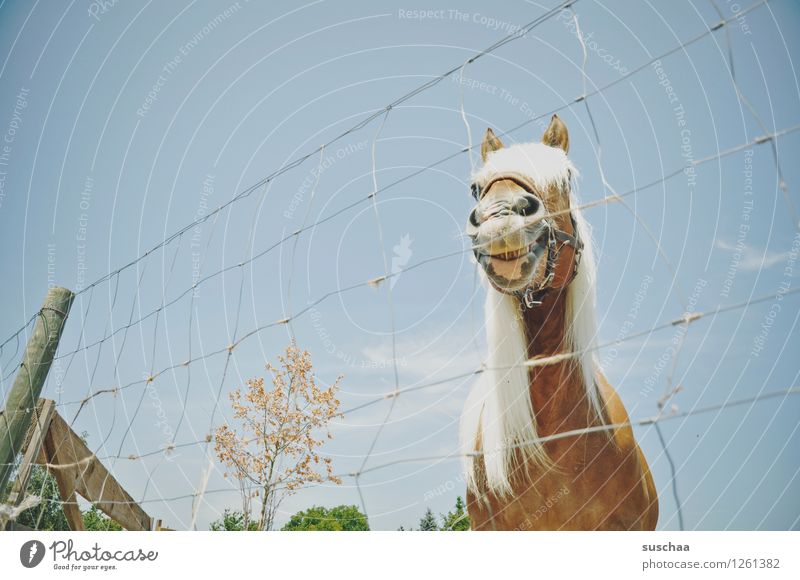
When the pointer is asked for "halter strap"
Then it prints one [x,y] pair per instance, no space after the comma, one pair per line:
[519,178]
[533,296]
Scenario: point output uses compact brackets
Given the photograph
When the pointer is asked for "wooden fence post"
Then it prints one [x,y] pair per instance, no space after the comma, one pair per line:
[24,394]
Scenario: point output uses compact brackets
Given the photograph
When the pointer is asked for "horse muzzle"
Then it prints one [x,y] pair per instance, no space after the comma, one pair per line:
[511,251]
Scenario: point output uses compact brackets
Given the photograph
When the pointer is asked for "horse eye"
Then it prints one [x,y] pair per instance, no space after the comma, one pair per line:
[475,190]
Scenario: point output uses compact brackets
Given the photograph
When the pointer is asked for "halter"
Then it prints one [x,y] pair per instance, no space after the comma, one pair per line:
[533,296]
[556,239]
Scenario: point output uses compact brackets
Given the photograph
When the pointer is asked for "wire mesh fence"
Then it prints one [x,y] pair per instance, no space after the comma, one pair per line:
[142,358]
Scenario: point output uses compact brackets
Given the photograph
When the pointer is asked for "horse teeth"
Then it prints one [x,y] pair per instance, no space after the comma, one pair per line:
[512,254]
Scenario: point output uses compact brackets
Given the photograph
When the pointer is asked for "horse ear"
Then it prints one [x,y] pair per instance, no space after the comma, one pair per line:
[490,143]
[556,134]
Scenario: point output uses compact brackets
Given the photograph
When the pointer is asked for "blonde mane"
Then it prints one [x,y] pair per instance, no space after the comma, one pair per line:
[498,414]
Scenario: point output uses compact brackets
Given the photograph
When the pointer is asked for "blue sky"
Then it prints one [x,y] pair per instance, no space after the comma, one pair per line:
[124,123]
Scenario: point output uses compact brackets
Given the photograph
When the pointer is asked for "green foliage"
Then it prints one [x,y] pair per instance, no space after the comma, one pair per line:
[346,518]
[49,514]
[428,522]
[457,520]
[96,521]
[232,521]
[343,518]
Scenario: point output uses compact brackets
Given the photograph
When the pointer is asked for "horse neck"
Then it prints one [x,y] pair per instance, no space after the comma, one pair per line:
[557,392]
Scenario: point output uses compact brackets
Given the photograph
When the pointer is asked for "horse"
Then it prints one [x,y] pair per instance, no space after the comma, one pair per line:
[523,467]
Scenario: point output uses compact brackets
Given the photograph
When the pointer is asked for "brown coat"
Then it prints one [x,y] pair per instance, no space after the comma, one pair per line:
[597,481]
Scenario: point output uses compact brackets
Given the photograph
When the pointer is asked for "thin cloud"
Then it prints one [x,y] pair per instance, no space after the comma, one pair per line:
[753,259]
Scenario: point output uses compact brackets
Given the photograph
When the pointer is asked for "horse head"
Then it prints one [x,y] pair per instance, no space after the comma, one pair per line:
[522,231]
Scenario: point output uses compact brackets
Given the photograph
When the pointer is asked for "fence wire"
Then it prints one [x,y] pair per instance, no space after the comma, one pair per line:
[111,333]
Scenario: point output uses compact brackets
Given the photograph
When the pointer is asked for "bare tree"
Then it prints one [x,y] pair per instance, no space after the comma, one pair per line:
[273,449]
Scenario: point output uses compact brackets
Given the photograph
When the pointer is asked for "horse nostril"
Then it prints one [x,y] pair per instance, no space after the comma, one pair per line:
[473,218]
[527,205]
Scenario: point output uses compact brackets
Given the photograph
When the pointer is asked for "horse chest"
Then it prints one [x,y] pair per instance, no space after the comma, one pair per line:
[590,489]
